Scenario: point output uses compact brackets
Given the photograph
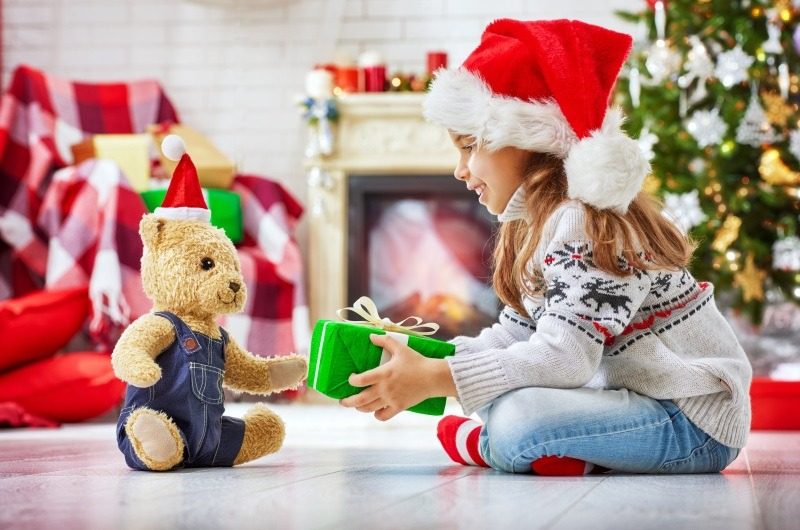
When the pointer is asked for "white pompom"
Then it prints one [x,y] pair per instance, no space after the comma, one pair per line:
[173,147]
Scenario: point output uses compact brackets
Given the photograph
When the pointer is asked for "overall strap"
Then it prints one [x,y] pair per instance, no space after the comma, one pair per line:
[185,337]
[224,340]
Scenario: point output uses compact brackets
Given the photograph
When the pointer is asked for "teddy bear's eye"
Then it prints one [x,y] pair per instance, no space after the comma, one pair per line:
[207,264]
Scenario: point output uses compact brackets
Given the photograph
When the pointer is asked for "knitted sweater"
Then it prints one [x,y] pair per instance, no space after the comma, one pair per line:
[657,333]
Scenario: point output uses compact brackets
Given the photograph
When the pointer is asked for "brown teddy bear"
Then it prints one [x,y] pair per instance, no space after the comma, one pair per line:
[176,359]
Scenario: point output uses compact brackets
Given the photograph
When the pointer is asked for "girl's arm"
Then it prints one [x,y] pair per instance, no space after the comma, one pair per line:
[511,327]
[583,306]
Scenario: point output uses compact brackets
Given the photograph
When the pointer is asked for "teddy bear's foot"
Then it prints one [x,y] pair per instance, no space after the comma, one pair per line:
[263,434]
[155,438]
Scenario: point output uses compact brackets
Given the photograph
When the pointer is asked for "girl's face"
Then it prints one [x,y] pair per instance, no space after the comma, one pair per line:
[493,175]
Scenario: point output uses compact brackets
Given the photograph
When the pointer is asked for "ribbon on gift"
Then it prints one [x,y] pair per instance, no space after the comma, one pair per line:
[366,309]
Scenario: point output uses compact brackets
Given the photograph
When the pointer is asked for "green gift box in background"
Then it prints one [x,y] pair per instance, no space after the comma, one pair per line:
[339,349]
[225,207]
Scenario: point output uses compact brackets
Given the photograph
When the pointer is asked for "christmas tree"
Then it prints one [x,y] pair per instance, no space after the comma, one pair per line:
[712,92]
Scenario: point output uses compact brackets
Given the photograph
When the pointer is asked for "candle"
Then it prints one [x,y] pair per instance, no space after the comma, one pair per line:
[373,70]
[319,84]
[347,78]
[436,60]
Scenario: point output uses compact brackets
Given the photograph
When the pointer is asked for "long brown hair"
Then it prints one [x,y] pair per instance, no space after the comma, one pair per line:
[642,231]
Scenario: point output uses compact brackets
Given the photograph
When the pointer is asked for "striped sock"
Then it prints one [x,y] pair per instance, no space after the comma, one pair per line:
[459,438]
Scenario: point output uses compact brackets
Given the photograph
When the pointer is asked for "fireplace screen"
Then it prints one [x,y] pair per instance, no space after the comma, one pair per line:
[422,245]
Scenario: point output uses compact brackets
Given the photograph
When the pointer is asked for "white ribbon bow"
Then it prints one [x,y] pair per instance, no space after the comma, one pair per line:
[366,309]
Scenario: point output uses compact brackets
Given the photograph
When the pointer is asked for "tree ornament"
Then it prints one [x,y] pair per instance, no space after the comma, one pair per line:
[784,80]
[727,234]
[699,66]
[774,171]
[707,127]
[646,142]
[786,254]
[750,280]
[662,61]
[684,209]
[732,66]
[634,86]
[697,165]
[754,129]
[794,144]
[778,111]
[773,43]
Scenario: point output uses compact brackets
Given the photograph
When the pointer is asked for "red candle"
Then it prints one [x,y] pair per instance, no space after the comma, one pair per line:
[436,60]
[347,78]
[374,78]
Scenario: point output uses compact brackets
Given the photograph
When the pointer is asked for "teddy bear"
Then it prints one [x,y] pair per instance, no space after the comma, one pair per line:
[176,359]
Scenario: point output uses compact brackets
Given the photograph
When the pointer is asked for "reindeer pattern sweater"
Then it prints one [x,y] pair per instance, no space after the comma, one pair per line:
[657,333]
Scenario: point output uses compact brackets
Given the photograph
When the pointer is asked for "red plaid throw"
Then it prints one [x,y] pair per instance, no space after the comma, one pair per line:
[63,225]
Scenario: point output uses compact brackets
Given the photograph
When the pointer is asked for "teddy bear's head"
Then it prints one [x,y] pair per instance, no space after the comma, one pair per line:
[190,267]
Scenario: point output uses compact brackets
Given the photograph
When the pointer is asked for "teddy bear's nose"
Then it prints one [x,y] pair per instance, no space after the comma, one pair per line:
[234,287]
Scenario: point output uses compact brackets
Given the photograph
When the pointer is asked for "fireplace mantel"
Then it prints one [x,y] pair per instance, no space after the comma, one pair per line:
[376,134]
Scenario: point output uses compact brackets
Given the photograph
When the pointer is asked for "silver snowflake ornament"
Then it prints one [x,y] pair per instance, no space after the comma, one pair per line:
[684,209]
[732,66]
[707,127]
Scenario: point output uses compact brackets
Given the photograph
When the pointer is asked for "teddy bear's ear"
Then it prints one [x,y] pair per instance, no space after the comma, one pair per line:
[150,229]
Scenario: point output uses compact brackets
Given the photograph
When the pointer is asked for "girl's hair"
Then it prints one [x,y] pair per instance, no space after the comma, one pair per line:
[661,245]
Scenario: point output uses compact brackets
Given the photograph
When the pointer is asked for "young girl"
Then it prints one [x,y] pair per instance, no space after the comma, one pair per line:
[608,354]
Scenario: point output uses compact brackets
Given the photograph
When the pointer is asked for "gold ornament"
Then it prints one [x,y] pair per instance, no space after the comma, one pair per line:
[774,171]
[750,280]
[778,111]
[727,234]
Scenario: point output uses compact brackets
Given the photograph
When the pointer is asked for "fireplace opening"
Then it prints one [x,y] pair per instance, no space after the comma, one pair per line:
[421,245]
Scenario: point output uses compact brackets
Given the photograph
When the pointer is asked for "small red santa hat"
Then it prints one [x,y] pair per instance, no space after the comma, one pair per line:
[184,200]
[545,86]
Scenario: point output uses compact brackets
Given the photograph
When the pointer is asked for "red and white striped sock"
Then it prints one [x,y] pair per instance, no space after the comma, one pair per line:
[459,438]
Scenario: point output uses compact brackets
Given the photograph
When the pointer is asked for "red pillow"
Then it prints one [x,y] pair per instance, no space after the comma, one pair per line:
[40,324]
[65,388]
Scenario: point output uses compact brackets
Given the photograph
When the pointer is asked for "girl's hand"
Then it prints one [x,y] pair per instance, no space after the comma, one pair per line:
[405,380]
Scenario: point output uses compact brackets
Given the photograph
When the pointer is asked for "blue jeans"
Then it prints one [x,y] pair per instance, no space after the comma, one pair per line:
[618,429]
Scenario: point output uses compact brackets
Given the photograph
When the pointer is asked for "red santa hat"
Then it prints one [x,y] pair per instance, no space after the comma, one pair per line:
[545,86]
[184,200]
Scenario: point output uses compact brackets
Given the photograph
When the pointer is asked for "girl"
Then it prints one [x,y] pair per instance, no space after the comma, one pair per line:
[608,354]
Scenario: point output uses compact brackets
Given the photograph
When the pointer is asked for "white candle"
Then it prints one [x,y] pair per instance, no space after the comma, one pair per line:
[319,84]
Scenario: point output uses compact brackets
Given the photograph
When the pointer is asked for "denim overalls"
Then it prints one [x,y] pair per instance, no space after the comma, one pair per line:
[190,392]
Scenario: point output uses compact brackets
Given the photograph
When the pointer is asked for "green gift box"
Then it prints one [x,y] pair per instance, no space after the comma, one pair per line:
[339,349]
[225,207]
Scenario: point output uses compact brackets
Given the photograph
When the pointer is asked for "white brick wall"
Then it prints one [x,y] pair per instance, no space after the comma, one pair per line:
[232,67]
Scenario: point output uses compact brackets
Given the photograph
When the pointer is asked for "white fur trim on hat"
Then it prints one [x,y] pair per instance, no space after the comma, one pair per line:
[184,213]
[462,102]
[607,169]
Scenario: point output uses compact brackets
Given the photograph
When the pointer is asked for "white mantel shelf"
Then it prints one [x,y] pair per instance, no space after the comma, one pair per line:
[376,134]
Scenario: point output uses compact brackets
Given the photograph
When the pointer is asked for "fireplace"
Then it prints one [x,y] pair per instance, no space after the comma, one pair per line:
[420,245]
[388,220]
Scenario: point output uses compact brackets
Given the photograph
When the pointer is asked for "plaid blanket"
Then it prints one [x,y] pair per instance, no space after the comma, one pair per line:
[64,225]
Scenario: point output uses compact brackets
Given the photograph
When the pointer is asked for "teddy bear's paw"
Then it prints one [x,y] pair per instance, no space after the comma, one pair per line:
[155,438]
[287,372]
[263,434]
[141,374]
